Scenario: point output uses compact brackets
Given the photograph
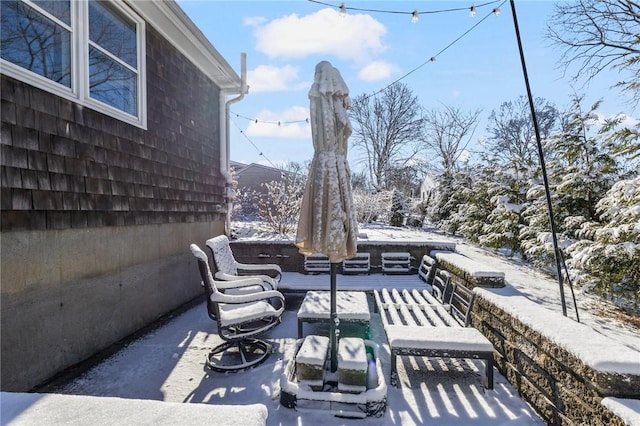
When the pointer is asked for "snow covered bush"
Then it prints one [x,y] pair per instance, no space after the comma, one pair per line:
[280,206]
[399,209]
[245,205]
[371,206]
[608,258]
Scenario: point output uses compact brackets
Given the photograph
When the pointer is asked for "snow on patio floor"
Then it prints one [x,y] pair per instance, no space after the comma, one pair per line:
[168,365]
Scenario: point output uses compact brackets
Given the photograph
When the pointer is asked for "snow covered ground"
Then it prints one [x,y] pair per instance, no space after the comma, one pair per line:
[536,285]
[168,363]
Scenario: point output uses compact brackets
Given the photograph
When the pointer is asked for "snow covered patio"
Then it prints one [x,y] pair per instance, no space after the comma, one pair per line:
[168,365]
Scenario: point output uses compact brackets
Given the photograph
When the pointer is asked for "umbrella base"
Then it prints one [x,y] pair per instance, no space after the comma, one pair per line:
[327,398]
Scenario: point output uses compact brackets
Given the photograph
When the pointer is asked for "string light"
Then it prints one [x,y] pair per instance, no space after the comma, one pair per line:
[276,123]
[415,16]
[433,58]
[343,10]
[260,153]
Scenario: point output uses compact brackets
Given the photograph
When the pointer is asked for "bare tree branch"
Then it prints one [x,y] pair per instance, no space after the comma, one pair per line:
[388,129]
[597,35]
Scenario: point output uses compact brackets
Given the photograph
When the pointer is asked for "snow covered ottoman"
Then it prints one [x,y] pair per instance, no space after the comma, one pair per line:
[311,359]
[352,365]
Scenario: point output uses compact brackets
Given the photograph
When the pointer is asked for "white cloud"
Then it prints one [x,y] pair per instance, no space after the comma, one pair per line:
[253,21]
[355,36]
[377,70]
[267,125]
[268,78]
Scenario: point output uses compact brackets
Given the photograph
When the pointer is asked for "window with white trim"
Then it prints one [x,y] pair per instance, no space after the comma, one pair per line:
[89,51]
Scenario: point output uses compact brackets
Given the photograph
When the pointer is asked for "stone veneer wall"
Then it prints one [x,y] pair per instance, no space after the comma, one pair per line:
[286,254]
[559,384]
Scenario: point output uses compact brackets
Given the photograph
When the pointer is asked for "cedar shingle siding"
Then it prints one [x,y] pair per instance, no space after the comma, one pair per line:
[97,214]
[65,166]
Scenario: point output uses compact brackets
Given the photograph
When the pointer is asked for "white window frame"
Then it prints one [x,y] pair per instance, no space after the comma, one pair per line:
[79,91]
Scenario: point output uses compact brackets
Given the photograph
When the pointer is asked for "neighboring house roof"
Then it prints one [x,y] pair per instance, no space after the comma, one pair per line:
[254,175]
[256,168]
[171,21]
[236,166]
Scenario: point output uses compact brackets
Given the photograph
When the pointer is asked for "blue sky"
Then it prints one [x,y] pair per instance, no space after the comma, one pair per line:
[284,40]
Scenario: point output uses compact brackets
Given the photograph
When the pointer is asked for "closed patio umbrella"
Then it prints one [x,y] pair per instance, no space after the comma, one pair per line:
[327,222]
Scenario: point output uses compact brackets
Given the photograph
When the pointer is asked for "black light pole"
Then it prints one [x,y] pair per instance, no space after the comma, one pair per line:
[556,250]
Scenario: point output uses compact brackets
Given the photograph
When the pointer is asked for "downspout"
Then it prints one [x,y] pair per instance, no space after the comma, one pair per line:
[225,140]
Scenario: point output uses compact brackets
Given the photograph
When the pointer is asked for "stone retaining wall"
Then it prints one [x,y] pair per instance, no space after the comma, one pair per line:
[466,271]
[285,253]
[562,387]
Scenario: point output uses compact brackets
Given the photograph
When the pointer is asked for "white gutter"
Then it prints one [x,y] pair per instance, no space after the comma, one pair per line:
[225,139]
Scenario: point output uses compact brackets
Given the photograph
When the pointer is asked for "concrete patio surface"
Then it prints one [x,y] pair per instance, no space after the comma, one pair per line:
[168,364]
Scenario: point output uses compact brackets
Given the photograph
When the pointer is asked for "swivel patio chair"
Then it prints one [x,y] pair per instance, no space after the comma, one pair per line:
[240,319]
[228,269]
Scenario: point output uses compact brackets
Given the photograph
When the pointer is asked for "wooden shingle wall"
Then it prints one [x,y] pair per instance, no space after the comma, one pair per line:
[97,215]
[65,166]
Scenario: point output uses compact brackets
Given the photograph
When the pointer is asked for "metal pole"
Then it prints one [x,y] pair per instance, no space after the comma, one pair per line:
[333,320]
[542,163]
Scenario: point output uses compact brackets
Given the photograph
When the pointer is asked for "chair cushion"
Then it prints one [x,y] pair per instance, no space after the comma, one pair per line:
[223,256]
[231,314]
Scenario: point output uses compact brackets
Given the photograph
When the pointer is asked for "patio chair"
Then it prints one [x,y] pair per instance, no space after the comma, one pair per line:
[240,318]
[228,269]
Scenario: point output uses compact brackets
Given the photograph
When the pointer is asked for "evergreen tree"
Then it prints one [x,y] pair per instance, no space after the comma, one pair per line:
[536,240]
[583,171]
[447,199]
[398,209]
[473,212]
[503,225]
[580,172]
[608,258]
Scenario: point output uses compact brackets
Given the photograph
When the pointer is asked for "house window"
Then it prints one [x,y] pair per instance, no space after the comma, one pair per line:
[38,39]
[88,51]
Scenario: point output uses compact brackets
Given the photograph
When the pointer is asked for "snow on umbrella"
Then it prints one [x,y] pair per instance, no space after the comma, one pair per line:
[327,222]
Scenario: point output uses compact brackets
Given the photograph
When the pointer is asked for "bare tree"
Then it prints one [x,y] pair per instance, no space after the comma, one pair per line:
[448,132]
[388,129]
[597,35]
[512,135]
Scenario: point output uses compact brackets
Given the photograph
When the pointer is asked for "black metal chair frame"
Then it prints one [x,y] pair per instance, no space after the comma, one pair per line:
[240,318]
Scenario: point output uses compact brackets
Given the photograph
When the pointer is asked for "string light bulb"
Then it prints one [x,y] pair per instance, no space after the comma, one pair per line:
[496,11]
[472,11]
[343,10]
[415,16]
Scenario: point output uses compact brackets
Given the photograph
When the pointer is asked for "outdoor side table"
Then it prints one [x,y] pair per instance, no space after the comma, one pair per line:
[351,306]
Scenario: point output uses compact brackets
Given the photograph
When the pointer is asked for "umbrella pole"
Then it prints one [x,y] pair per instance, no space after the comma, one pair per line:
[333,321]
